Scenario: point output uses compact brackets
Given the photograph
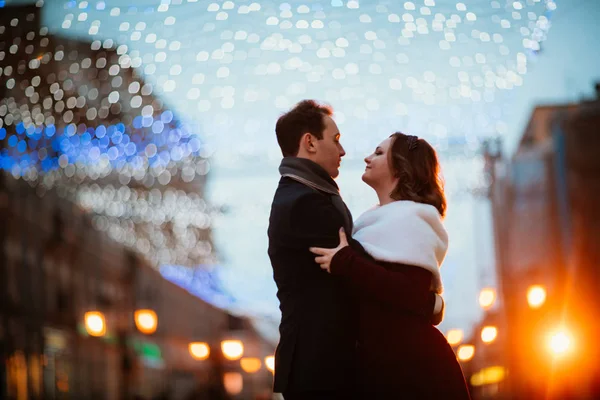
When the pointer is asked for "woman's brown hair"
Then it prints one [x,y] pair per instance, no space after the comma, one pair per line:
[415,163]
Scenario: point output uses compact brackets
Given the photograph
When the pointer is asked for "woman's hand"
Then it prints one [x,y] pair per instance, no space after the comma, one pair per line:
[325,255]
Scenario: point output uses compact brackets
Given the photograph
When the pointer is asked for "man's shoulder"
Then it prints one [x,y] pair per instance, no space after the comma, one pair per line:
[291,190]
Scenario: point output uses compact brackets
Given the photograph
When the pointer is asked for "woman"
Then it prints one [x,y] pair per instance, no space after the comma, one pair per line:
[401,355]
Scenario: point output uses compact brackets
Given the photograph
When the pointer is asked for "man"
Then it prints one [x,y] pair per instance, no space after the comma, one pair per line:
[315,355]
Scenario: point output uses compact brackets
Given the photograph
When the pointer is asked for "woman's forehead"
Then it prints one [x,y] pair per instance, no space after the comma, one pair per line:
[385,144]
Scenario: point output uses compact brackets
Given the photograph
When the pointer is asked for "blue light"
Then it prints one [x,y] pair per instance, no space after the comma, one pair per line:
[70,130]
[2,3]
[104,142]
[2,133]
[112,153]
[100,131]
[101,5]
[12,140]
[111,131]
[166,116]
[50,130]
[22,146]
[137,122]
[30,130]
[130,149]
[147,121]
[64,144]
[158,127]
[75,141]
[337,3]
[86,139]
[47,164]
[71,4]
[20,128]
[117,137]
[194,144]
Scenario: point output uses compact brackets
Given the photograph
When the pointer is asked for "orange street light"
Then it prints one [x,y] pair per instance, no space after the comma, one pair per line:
[95,323]
[232,349]
[487,297]
[270,363]
[466,352]
[250,364]
[233,382]
[536,296]
[454,336]
[489,334]
[560,342]
[146,321]
[199,350]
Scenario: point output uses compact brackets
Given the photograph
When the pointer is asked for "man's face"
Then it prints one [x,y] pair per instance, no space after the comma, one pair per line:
[329,150]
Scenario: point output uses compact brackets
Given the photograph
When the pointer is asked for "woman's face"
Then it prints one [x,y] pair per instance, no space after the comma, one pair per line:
[378,173]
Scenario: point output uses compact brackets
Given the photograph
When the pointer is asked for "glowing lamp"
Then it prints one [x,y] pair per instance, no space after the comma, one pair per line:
[560,342]
[233,382]
[454,336]
[536,296]
[270,363]
[199,350]
[466,352]
[487,297]
[250,364]
[489,334]
[146,321]
[232,349]
[95,323]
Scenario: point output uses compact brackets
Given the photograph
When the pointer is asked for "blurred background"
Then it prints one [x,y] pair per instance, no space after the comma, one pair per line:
[138,162]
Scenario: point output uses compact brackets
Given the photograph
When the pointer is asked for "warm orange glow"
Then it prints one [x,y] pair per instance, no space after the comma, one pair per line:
[487,297]
[232,349]
[488,376]
[536,296]
[489,334]
[95,323]
[454,336]
[466,352]
[233,382]
[270,363]
[250,364]
[560,342]
[199,350]
[146,321]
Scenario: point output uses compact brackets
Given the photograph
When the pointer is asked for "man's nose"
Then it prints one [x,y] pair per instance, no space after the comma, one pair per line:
[342,151]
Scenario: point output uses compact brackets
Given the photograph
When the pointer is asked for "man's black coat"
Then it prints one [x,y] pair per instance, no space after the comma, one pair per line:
[318,333]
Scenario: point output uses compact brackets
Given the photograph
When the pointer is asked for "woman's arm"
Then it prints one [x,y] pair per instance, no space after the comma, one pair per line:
[393,288]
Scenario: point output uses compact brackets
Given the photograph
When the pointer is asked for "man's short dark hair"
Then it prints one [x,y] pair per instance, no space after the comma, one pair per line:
[306,116]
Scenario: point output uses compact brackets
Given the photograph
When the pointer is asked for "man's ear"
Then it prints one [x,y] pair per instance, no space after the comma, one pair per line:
[307,142]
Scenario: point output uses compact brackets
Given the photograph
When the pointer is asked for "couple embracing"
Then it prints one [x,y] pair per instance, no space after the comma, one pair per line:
[359,300]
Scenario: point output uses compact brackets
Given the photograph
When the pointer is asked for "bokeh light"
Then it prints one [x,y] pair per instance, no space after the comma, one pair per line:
[125,109]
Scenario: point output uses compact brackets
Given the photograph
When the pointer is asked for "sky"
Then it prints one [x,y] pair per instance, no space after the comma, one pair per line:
[454,73]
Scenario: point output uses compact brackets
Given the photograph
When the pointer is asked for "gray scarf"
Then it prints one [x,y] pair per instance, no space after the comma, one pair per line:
[314,176]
